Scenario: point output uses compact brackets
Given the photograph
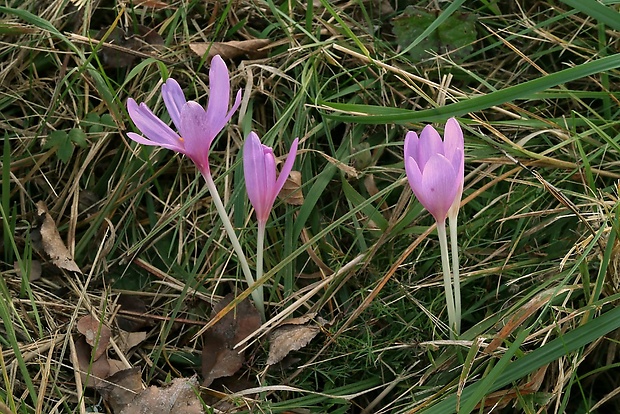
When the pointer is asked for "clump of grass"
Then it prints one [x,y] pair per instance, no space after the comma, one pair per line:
[538,237]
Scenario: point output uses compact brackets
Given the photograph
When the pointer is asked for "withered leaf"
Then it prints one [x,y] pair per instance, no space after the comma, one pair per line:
[121,388]
[179,397]
[232,49]
[287,338]
[35,270]
[52,243]
[92,374]
[130,304]
[120,49]
[291,190]
[127,340]
[95,334]
[219,359]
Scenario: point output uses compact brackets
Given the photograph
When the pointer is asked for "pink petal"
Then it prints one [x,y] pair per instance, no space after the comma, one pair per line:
[174,100]
[453,141]
[152,127]
[411,145]
[438,187]
[286,168]
[219,95]
[258,179]
[430,144]
[195,133]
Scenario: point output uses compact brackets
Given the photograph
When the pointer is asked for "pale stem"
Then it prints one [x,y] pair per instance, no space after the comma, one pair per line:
[454,249]
[260,242]
[256,295]
[447,277]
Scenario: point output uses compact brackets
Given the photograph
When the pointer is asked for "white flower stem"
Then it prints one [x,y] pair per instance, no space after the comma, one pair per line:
[454,249]
[447,277]
[256,294]
[260,243]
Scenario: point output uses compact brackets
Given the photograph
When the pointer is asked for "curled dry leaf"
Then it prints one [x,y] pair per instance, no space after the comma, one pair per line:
[128,318]
[96,334]
[219,359]
[48,237]
[291,191]
[232,49]
[92,374]
[127,340]
[121,388]
[292,335]
[120,49]
[179,397]
[35,270]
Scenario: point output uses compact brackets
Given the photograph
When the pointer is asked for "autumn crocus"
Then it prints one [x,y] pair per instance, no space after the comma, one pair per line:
[435,171]
[196,128]
[259,168]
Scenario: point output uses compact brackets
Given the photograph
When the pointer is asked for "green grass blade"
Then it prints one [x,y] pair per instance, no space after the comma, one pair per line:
[522,91]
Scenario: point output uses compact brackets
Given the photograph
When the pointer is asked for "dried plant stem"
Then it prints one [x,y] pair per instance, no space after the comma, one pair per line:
[447,277]
[256,293]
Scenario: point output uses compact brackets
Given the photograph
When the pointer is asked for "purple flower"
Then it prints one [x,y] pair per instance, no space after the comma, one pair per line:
[436,169]
[197,127]
[259,167]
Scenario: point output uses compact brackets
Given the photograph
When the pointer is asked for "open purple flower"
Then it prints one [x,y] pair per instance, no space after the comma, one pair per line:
[197,127]
[259,167]
[435,168]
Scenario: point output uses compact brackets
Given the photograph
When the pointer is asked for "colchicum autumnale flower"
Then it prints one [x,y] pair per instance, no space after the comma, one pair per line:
[197,127]
[436,172]
[259,168]
[435,168]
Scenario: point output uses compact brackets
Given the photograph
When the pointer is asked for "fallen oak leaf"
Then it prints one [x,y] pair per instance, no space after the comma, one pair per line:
[179,397]
[232,49]
[291,335]
[291,190]
[51,242]
[219,359]
[95,333]
[93,371]
[121,388]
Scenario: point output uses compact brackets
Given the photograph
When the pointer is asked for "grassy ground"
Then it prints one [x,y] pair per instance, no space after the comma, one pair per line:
[536,94]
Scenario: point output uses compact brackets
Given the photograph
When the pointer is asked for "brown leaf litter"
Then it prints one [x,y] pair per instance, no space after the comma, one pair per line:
[219,359]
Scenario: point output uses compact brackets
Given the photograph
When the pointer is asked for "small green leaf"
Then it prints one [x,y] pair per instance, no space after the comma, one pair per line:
[78,137]
[108,121]
[65,151]
[56,139]
[456,35]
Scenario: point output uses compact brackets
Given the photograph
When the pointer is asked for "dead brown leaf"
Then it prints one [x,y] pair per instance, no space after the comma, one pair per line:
[121,49]
[97,335]
[521,315]
[234,48]
[35,270]
[151,3]
[92,374]
[51,242]
[121,388]
[127,340]
[292,335]
[131,304]
[291,191]
[219,359]
[179,397]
